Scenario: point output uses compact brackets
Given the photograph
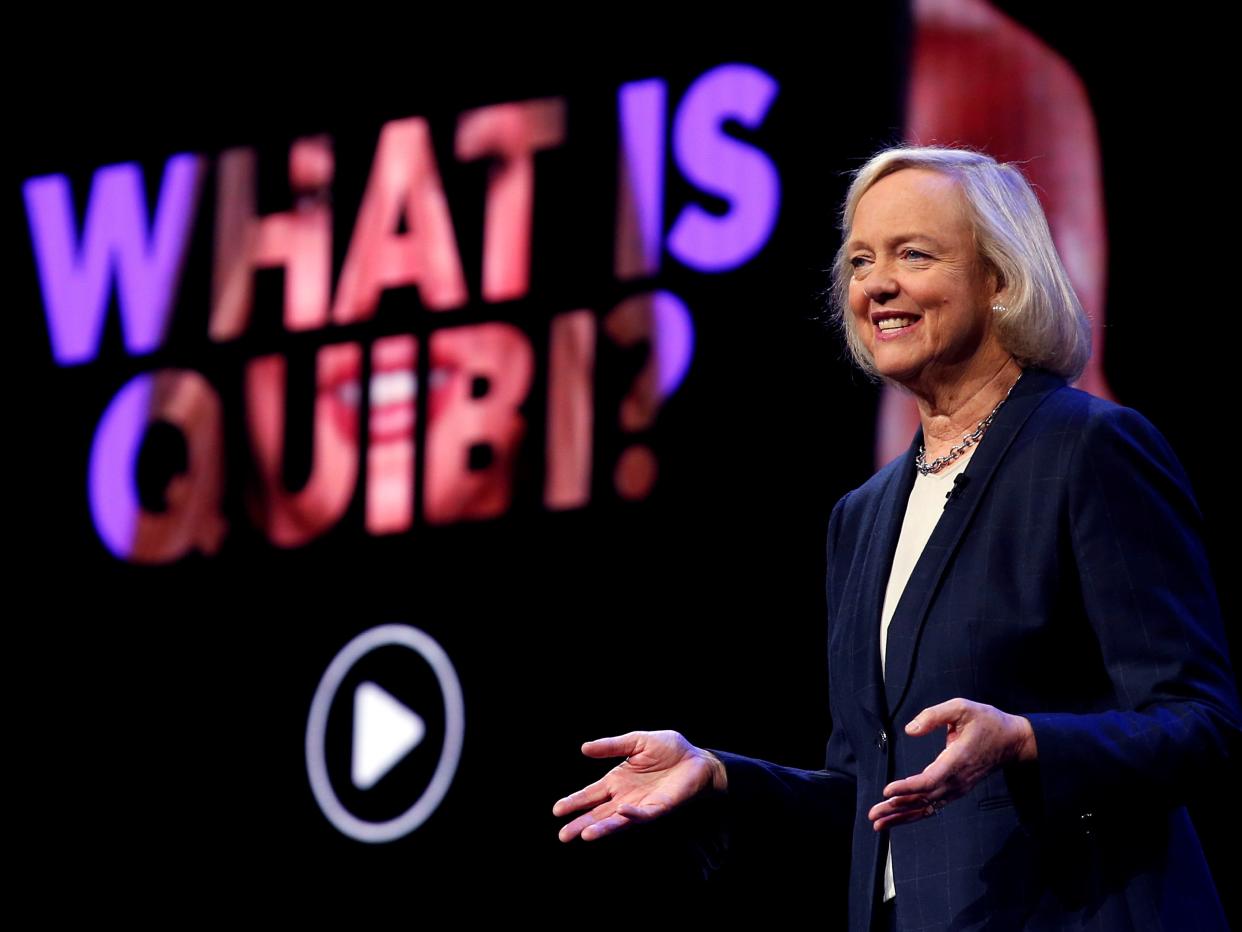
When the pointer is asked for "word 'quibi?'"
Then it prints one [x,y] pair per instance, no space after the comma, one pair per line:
[372,428]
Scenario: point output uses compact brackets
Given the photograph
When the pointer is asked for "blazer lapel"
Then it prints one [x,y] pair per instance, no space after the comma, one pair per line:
[910,615]
[867,685]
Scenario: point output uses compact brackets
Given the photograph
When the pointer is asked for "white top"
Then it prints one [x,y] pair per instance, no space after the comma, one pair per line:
[923,510]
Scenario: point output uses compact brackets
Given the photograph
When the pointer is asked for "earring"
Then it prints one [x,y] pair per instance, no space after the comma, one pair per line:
[999,308]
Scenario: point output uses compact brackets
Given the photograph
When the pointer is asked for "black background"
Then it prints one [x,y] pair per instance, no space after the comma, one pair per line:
[160,711]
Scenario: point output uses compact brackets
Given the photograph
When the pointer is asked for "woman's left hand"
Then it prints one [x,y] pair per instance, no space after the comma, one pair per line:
[980,739]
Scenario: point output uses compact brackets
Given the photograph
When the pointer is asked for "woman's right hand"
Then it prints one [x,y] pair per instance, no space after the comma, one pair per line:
[661,771]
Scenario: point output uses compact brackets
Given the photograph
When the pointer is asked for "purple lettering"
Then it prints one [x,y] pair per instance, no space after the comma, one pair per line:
[76,275]
[640,178]
[721,165]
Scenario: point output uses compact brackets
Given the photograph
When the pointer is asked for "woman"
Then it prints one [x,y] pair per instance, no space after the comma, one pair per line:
[1026,660]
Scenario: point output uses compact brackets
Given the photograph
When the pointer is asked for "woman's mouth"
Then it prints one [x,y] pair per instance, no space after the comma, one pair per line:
[893,326]
[895,322]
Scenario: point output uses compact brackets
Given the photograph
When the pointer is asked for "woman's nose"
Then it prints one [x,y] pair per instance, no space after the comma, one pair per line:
[880,285]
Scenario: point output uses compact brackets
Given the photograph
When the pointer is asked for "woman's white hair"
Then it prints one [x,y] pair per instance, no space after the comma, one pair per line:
[1044,324]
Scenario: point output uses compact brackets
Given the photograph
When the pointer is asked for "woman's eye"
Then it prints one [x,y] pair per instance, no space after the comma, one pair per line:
[858,261]
[916,254]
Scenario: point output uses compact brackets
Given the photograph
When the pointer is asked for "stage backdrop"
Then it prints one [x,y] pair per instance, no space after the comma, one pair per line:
[394,434]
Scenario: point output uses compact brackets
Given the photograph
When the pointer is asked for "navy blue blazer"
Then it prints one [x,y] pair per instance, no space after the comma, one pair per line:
[1067,582]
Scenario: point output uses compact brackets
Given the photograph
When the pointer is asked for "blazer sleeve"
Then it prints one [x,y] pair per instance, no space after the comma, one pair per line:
[760,791]
[1147,593]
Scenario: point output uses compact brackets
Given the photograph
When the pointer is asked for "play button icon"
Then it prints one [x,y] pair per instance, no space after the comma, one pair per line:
[381,763]
[385,730]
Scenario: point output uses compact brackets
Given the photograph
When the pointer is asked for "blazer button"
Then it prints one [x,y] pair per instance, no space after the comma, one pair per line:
[881,741]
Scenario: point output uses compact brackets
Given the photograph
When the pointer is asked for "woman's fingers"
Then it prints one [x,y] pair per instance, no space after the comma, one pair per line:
[604,827]
[662,771]
[606,819]
[943,777]
[589,825]
[905,817]
[936,716]
[599,791]
[619,746]
[572,830]
[918,785]
[900,805]
[901,810]
[591,795]
[980,738]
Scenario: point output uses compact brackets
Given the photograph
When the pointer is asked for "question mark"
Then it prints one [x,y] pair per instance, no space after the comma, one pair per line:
[664,322]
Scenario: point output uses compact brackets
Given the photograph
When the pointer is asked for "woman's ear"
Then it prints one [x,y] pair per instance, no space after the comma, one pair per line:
[999,285]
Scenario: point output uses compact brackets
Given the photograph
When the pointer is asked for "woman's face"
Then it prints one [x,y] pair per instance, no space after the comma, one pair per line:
[920,297]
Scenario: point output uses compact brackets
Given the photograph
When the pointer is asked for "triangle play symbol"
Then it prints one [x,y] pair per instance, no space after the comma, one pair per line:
[385,730]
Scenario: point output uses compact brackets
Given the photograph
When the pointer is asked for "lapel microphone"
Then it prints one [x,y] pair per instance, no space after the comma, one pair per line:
[959,485]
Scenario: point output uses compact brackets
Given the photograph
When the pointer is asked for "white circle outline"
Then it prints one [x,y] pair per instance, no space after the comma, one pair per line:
[317,725]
